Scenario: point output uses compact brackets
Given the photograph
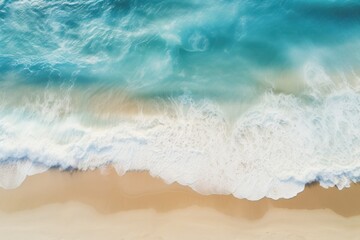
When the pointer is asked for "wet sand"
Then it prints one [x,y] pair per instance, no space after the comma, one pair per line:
[103,205]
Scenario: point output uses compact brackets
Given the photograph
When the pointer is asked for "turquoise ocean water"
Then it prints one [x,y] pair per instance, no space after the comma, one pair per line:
[250,98]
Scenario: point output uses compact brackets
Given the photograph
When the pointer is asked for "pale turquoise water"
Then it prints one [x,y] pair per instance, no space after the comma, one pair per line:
[253,98]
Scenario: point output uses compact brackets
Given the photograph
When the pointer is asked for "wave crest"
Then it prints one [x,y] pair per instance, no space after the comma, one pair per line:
[272,150]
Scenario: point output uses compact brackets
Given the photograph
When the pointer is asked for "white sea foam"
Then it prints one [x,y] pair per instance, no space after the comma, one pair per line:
[272,150]
[227,51]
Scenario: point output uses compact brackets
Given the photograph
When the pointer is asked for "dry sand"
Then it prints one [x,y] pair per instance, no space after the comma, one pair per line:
[103,205]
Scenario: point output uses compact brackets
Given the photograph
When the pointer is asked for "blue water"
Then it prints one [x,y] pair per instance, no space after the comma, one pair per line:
[160,48]
[252,98]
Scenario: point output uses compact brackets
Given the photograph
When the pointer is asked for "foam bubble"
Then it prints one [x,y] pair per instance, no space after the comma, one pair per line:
[272,150]
[14,173]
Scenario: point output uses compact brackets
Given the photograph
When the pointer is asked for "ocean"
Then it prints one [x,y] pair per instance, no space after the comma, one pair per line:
[250,98]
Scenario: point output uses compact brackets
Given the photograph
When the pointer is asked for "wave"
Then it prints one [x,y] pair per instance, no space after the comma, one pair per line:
[227,97]
[273,149]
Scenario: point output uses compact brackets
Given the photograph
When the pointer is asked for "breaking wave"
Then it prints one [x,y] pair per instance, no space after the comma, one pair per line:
[227,97]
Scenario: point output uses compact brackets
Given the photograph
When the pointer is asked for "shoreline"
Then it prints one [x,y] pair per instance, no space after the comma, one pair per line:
[62,186]
[138,206]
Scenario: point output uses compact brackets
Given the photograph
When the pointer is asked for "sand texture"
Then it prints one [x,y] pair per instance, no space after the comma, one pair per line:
[103,205]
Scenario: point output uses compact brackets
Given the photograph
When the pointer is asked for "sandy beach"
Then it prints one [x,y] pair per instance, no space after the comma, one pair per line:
[103,205]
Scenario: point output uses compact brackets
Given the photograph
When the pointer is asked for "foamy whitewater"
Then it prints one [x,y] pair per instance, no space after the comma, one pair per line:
[250,98]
